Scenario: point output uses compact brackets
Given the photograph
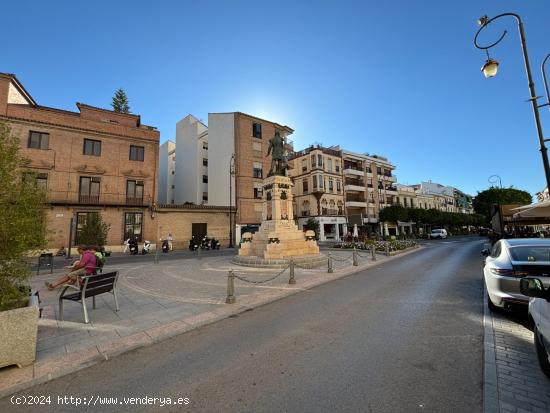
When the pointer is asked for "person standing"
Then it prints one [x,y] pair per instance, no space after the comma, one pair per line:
[170,239]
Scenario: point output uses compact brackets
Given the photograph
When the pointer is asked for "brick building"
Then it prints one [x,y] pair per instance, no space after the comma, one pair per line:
[90,161]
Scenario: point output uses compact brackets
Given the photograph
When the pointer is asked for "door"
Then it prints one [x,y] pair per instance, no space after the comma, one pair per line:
[198,231]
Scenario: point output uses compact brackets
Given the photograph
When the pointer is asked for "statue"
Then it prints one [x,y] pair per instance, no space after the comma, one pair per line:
[278,162]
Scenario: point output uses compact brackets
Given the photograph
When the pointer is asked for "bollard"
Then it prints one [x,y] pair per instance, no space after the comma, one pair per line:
[355,264]
[291,279]
[199,253]
[329,263]
[373,251]
[387,249]
[230,288]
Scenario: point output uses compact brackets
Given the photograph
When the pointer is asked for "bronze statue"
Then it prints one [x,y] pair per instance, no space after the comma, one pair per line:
[278,162]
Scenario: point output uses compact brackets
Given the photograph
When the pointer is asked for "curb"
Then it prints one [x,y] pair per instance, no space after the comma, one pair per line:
[490,381]
[71,363]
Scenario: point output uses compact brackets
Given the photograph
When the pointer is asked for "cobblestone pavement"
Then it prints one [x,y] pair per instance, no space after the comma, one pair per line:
[156,301]
[520,385]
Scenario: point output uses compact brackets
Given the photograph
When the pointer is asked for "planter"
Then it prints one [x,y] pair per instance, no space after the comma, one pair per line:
[18,330]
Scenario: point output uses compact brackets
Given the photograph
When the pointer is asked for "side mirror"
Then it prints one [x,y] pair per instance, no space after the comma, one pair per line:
[485,252]
[532,287]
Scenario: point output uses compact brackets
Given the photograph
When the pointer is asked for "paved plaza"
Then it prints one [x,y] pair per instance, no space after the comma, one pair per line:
[157,301]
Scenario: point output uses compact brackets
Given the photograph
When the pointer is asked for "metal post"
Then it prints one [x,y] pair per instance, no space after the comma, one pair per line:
[157,246]
[70,238]
[355,263]
[373,252]
[329,263]
[291,279]
[387,249]
[231,172]
[230,288]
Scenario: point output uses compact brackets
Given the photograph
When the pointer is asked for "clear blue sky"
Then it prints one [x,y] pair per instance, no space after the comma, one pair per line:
[399,78]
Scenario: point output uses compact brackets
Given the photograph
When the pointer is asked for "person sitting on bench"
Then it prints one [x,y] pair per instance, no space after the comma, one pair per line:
[85,266]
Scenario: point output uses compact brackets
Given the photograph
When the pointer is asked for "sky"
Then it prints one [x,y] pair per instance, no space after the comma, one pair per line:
[398,78]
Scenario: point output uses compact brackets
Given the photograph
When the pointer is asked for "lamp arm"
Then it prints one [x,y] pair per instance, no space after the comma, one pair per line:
[516,16]
[546,80]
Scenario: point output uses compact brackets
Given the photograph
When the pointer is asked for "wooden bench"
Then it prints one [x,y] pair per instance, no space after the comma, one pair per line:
[91,286]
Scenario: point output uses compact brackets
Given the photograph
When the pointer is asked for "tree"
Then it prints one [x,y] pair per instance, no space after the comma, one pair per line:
[94,231]
[483,201]
[22,222]
[120,102]
[313,225]
[394,213]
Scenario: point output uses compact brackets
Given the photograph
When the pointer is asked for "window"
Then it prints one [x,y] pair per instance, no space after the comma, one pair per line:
[337,167]
[258,192]
[330,185]
[205,146]
[405,202]
[338,187]
[320,181]
[89,190]
[329,165]
[257,130]
[313,164]
[134,192]
[320,160]
[305,186]
[92,147]
[205,197]
[40,179]
[133,225]
[173,172]
[304,165]
[204,162]
[39,140]
[81,220]
[379,171]
[314,181]
[173,186]
[137,153]
[205,179]
[257,170]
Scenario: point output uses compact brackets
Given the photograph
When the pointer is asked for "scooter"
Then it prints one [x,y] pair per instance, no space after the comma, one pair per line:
[193,246]
[215,244]
[133,247]
[165,246]
[146,247]
[205,244]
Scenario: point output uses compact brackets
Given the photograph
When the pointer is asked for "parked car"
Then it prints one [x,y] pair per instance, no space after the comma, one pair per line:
[438,233]
[539,312]
[507,262]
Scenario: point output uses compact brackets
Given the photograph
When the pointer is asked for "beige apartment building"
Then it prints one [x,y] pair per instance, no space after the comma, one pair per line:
[318,190]
[90,161]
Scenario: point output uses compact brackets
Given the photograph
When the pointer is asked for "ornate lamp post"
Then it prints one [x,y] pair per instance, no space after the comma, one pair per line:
[490,69]
[231,175]
[493,180]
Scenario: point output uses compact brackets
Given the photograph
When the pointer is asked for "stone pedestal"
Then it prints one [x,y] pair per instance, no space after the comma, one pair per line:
[278,237]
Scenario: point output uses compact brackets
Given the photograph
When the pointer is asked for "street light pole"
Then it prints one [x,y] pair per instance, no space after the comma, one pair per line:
[231,173]
[484,22]
[545,82]
[493,178]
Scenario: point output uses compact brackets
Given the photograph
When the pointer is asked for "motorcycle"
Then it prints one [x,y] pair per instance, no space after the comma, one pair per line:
[165,246]
[215,244]
[193,246]
[205,244]
[146,247]
[133,247]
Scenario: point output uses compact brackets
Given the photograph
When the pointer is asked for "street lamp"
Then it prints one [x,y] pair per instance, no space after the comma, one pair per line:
[231,174]
[490,70]
[493,180]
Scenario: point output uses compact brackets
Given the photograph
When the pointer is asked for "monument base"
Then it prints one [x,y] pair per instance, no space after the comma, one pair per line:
[307,261]
[278,238]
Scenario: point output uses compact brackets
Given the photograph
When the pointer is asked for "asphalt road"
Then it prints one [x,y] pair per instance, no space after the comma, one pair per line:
[406,336]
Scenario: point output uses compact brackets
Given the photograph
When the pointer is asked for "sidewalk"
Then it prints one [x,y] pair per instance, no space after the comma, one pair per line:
[157,301]
[513,379]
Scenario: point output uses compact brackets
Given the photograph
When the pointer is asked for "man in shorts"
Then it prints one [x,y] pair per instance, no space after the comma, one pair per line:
[85,266]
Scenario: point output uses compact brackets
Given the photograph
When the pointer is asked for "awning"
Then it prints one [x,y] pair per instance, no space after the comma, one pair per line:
[538,210]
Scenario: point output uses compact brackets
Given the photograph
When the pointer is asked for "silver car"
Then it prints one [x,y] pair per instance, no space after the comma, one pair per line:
[508,262]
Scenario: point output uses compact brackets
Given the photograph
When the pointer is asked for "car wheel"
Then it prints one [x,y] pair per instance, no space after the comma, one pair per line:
[541,353]
[490,304]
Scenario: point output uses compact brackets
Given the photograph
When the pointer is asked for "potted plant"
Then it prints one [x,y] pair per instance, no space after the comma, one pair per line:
[22,231]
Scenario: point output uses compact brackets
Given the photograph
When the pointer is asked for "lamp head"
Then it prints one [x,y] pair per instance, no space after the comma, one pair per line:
[490,68]
[483,20]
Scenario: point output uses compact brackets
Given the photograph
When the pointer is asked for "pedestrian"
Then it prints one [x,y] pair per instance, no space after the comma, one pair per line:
[126,245]
[170,239]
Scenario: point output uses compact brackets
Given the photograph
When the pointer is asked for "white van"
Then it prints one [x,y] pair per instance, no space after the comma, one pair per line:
[438,233]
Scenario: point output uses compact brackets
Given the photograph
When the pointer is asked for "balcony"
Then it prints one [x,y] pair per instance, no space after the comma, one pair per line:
[388,178]
[353,172]
[370,220]
[356,204]
[354,188]
[75,198]
[330,211]
[391,190]
[305,213]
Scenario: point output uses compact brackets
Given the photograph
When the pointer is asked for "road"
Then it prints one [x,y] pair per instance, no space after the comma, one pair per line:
[406,336]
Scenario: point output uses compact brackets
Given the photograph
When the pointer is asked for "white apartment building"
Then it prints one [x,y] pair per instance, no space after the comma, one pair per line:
[443,196]
[167,164]
[191,163]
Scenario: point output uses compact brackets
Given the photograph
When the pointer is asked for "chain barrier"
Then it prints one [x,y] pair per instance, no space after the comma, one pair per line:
[246,280]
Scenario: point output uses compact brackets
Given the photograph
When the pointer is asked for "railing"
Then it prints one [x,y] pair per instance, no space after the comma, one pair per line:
[305,213]
[75,198]
[329,211]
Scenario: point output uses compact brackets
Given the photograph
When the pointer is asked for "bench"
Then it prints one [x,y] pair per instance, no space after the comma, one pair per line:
[91,286]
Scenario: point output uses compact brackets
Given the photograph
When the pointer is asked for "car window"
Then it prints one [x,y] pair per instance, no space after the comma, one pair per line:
[530,253]
[495,252]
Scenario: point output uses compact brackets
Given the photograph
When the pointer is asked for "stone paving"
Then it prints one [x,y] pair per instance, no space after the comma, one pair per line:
[516,382]
[156,301]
